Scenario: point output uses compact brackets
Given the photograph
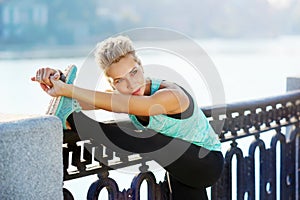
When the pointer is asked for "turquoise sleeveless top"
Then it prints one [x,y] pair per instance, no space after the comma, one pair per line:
[194,129]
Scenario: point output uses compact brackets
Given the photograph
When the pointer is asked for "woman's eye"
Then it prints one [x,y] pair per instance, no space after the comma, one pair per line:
[134,72]
[118,81]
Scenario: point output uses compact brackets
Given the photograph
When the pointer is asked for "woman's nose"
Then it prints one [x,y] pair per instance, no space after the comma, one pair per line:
[132,83]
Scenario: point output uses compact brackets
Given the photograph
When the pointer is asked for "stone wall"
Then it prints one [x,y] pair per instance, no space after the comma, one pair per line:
[31,164]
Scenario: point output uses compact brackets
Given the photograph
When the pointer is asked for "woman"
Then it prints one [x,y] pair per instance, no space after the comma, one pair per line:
[152,104]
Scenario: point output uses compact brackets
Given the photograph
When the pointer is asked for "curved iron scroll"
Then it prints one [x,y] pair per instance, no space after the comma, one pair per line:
[67,194]
[267,174]
[155,191]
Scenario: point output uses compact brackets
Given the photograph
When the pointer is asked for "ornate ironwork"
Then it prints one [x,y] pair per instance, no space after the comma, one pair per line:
[278,115]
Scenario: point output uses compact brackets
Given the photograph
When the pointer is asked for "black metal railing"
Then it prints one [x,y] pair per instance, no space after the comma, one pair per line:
[268,170]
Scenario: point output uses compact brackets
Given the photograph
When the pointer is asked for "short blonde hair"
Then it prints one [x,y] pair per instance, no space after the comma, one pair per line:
[113,49]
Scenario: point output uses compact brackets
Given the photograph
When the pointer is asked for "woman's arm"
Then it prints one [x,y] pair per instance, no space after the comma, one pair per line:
[169,100]
[86,106]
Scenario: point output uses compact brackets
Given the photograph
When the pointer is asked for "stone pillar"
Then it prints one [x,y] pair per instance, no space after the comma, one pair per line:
[293,83]
[31,164]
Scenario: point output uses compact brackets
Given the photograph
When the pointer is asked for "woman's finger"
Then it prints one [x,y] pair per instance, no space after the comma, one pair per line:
[47,72]
[43,76]
[38,76]
[44,87]
[56,75]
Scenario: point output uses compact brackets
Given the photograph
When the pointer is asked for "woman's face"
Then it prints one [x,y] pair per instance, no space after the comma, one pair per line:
[127,76]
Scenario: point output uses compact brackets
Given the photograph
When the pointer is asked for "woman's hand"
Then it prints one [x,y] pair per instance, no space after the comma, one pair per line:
[43,76]
[49,81]
[58,88]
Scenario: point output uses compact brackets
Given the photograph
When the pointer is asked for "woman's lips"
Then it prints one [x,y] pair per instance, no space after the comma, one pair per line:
[136,92]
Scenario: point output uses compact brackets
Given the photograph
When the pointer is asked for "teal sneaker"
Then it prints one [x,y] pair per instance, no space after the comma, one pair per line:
[63,107]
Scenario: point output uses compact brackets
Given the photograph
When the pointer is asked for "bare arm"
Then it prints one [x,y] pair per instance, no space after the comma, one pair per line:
[170,100]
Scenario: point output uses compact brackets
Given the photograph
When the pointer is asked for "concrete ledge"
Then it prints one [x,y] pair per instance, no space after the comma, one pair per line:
[31,164]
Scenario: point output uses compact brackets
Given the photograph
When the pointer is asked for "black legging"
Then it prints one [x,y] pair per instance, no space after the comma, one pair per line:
[192,168]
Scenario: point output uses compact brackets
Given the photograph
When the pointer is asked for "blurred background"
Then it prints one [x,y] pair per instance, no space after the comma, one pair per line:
[42,24]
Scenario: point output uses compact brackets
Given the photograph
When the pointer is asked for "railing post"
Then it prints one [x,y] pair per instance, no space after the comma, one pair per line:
[31,157]
[293,83]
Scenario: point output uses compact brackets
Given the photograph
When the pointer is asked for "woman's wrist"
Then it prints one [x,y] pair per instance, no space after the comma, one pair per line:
[68,90]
